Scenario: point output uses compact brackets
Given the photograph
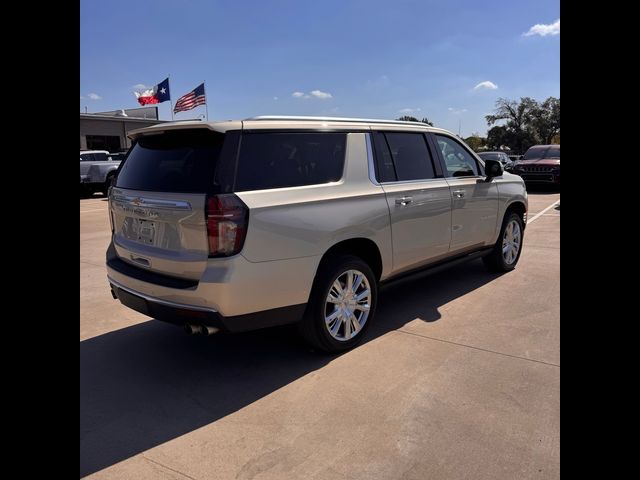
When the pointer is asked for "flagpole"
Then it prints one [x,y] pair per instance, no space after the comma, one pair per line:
[206,102]
[170,101]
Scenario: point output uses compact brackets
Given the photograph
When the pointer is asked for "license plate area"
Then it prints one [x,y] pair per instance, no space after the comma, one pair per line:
[139,230]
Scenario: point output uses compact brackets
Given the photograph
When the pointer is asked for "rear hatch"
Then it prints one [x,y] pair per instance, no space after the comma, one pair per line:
[158,205]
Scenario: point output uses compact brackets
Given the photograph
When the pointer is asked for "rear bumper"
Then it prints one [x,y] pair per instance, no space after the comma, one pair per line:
[179,314]
[232,293]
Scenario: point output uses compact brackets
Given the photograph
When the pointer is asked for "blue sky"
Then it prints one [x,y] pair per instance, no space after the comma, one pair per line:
[378,59]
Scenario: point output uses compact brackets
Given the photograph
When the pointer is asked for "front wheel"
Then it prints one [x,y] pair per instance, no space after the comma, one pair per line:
[506,252]
[341,305]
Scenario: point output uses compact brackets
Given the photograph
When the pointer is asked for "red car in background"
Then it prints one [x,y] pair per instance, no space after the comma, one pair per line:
[540,164]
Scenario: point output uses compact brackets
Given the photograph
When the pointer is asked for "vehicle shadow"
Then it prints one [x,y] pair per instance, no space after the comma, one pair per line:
[147,384]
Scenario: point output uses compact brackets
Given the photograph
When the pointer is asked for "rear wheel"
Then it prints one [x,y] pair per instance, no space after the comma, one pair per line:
[506,252]
[341,306]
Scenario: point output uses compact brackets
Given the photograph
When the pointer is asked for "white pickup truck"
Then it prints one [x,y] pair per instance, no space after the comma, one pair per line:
[97,168]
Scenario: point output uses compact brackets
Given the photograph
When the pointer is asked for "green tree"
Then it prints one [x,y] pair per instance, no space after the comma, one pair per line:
[526,123]
[409,118]
[545,120]
[498,137]
[476,142]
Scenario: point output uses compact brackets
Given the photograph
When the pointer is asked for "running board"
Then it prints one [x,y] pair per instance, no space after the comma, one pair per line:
[434,268]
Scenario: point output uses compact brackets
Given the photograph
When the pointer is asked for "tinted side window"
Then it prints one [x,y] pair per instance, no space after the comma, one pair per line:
[279,160]
[459,162]
[101,157]
[86,157]
[411,156]
[385,171]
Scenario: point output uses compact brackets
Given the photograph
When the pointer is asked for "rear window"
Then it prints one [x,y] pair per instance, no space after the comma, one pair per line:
[176,161]
[279,160]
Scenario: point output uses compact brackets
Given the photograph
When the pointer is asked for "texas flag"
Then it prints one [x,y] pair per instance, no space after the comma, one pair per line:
[157,94]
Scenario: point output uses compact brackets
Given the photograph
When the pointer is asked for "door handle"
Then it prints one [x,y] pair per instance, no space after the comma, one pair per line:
[458,193]
[403,200]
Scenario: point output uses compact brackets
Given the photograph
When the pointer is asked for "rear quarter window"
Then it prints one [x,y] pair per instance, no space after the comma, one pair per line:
[278,160]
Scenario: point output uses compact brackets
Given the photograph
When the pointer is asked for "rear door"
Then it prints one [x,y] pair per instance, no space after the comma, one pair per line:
[158,201]
[474,201]
[418,198]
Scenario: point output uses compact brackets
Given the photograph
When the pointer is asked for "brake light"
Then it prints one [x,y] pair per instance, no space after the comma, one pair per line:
[227,220]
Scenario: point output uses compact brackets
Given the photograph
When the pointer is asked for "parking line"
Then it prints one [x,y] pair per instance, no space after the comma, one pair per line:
[543,211]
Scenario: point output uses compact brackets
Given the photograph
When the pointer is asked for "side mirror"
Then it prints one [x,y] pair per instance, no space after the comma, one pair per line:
[492,168]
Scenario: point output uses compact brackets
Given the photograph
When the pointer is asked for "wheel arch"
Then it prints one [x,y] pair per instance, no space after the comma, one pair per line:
[361,247]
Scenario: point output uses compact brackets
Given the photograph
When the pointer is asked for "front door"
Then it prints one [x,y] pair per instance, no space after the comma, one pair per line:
[474,200]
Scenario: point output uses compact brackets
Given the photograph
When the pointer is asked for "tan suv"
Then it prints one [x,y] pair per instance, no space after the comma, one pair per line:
[246,224]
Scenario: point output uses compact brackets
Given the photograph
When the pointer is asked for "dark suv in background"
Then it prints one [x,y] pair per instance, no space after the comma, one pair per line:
[540,164]
[501,157]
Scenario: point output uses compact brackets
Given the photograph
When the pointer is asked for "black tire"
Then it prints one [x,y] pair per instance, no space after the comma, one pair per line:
[313,326]
[107,183]
[85,192]
[495,261]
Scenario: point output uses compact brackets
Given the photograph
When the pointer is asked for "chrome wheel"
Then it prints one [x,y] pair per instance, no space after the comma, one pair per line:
[347,305]
[511,242]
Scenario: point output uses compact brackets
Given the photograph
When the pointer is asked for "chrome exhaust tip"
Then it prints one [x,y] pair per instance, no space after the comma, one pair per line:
[206,330]
[192,329]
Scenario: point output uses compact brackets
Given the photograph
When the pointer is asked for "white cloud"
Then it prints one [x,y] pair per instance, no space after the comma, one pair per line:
[140,86]
[314,93]
[457,110]
[94,96]
[544,29]
[321,95]
[486,85]
[275,98]
[409,110]
[81,97]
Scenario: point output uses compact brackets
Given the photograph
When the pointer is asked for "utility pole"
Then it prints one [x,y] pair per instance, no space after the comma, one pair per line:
[459,126]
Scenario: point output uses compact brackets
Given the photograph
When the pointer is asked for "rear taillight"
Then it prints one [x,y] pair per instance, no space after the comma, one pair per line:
[227,220]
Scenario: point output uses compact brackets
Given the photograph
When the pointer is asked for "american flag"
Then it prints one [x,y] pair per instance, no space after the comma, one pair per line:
[191,100]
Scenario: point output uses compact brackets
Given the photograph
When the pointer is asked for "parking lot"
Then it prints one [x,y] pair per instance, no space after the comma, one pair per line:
[458,378]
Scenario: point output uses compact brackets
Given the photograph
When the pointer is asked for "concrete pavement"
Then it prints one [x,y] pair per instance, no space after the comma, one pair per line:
[459,378]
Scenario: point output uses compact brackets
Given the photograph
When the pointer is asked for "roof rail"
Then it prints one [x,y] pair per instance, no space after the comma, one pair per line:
[334,119]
